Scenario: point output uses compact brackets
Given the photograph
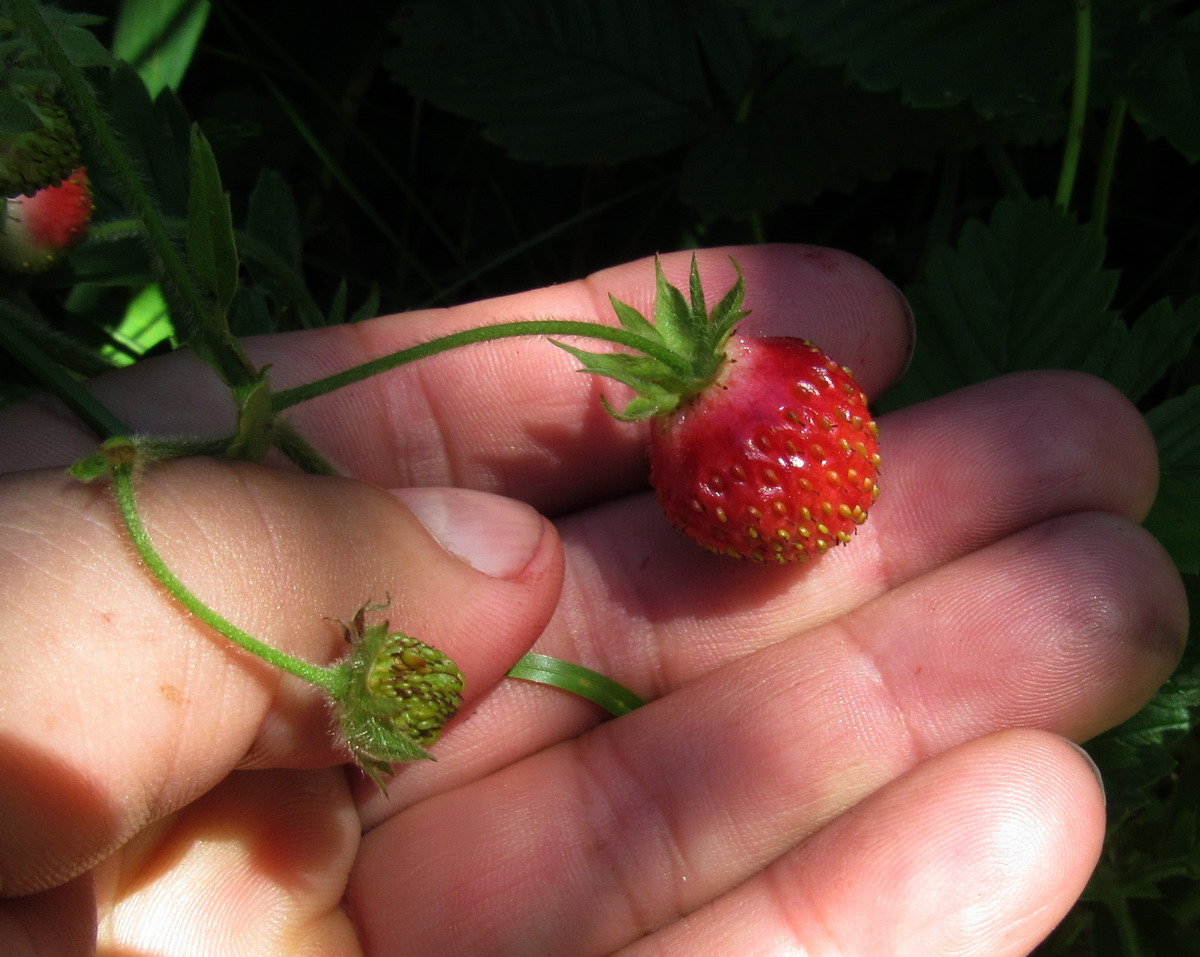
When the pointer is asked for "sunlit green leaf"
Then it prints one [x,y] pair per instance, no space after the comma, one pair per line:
[597,688]
[158,38]
[1026,290]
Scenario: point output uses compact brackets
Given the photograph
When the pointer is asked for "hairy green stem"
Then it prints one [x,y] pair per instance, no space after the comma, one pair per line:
[223,351]
[508,330]
[331,679]
[54,377]
[1079,100]
[1106,170]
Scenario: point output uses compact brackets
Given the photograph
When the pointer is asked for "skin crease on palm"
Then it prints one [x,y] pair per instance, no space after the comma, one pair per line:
[866,755]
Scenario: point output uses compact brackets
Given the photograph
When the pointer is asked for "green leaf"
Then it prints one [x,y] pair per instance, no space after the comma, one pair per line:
[1164,86]
[155,133]
[571,81]
[1005,57]
[793,142]
[1134,358]
[16,115]
[273,219]
[78,42]
[210,242]
[597,688]
[158,38]
[1024,291]
[1174,518]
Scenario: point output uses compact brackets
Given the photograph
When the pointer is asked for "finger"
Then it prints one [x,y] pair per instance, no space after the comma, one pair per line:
[671,806]
[116,707]
[272,849]
[644,606]
[960,473]
[981,851]
[511,416]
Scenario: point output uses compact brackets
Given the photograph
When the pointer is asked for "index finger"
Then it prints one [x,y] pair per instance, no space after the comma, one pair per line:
[511,416]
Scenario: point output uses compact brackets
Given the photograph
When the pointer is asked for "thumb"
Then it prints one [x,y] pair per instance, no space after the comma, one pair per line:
[117,707]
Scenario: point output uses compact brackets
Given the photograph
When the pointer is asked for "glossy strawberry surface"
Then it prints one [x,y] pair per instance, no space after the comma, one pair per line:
[775,461]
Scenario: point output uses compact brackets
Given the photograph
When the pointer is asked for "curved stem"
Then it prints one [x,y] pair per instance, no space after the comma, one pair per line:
[508,330]
[331,679]
[1079,99]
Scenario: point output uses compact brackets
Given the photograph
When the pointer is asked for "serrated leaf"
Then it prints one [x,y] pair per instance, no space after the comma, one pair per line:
[1164,86]
[1005,57]
[570,81]
[1174,518]
[210,243]
[793,143]
[1134,358]
[1024,291]
[156,133]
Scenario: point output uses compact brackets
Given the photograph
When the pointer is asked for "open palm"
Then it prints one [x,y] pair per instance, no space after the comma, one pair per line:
[868,754]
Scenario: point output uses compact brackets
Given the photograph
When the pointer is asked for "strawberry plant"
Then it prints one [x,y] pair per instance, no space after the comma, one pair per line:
[1024,171]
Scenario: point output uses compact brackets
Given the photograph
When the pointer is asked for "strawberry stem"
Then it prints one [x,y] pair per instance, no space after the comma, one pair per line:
[331,679]
[1079,100]
[529,327]
[15,341]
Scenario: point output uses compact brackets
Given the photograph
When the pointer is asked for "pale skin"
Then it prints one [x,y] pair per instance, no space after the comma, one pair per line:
[867,755]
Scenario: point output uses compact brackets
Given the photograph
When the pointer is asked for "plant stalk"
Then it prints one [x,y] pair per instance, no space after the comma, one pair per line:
[331,679]
[529,327]
[1079,101]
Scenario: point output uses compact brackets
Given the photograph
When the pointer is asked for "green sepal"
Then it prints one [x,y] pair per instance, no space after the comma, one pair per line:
[255,420]
[686,329]
[659,389]
[118,450]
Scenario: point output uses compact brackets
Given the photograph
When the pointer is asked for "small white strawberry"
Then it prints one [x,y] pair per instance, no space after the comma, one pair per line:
[36,231]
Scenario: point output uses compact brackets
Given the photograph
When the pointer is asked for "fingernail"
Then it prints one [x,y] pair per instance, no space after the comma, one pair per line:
[1095,768]
[494,535]
[911,320]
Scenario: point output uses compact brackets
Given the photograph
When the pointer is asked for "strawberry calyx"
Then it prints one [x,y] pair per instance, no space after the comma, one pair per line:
[684,331]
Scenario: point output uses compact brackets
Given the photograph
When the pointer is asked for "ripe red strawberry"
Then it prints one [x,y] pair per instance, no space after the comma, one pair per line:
[36,231]
[761,448]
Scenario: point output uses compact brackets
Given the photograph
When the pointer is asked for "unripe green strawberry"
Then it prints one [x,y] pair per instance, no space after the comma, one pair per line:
[33,159]
[399,694]
[36,231]
[760,448]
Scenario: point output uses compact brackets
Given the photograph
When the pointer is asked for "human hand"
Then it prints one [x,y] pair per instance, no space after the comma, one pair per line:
[861,755]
